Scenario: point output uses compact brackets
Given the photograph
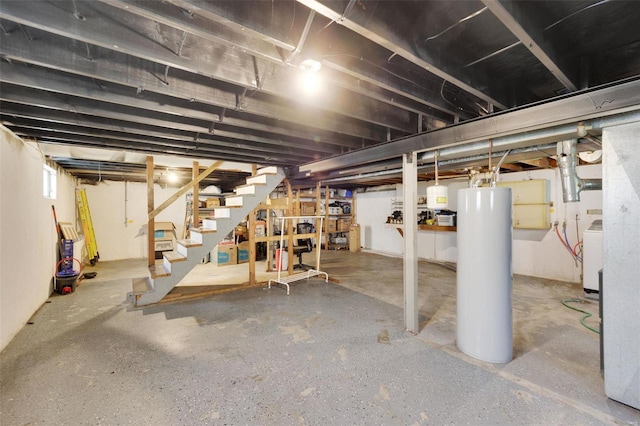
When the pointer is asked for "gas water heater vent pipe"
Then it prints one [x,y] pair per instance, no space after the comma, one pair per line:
[496,170]
[572,185]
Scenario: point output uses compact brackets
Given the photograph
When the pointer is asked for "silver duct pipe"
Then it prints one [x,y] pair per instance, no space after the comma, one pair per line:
[536,137]
[452,162]
[571,183]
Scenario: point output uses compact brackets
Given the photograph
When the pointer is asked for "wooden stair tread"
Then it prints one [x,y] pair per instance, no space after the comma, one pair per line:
[250,184]
[189,243]
[158,270]
[202,230]
[270,170]
[173,256]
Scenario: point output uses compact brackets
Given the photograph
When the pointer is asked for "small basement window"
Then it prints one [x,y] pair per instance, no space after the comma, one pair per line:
[49,178]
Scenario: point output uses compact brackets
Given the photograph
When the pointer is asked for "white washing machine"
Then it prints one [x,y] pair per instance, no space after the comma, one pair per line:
[592,256]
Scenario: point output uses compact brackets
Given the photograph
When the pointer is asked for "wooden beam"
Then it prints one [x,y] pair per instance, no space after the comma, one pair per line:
[251,227]
[543,163]
[185,188]
[195,199]
[289,225]
[150,204]
[512,167]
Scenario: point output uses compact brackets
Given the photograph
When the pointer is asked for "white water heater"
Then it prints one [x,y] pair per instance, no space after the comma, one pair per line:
[484,274]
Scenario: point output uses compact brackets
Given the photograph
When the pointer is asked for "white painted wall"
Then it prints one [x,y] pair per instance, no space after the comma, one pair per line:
[120,223]
[535,252]
[27,232]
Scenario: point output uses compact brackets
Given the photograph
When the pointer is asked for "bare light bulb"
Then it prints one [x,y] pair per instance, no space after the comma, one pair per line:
[172,177]
[309,82]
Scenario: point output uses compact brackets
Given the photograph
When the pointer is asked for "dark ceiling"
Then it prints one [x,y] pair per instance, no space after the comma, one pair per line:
[219,79]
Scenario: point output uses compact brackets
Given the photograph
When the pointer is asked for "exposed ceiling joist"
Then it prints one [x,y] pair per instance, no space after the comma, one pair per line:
[228,65]
[532,39]
[138,75]
[194,24]
[379,33]
[122,131]
[221,13]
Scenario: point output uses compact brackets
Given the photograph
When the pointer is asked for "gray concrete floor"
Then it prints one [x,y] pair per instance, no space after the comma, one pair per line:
[327,354]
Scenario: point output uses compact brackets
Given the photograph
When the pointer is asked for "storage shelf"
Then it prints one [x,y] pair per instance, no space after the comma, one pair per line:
[425,227]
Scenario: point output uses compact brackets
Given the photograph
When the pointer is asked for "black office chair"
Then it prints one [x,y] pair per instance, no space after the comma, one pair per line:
[303,245]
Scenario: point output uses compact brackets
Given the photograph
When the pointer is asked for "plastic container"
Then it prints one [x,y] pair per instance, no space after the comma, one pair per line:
[284,259]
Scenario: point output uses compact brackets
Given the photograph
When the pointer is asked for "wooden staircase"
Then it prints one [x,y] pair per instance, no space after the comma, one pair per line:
[176,264]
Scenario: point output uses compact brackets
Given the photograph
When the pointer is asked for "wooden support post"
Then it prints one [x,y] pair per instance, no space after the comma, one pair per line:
[150,205]
[195,199]
[251,228]
[185,188]
[289,226]
[269,234]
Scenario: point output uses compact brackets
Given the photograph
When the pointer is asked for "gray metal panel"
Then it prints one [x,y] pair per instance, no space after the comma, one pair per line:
[621,269]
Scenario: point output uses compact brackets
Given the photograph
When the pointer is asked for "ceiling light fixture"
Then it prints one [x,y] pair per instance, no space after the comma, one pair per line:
[172,177]
[309,79]
[310,65]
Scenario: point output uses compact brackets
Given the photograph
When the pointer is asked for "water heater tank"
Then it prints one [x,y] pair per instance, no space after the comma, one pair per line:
[484,318]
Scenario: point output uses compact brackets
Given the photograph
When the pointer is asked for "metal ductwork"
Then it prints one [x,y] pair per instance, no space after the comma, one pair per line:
[572,185]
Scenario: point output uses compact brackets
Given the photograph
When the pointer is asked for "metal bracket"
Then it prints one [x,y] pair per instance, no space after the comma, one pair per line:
[240,99]
[256,73]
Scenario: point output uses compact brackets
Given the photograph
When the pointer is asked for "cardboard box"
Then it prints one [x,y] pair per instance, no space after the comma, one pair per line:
[331,225]
[354,237]
[225,254]
[307,208]
[278,202]
[164,231]
[213,202]
[243,252]
[261,228]
[343,225]
[335,210]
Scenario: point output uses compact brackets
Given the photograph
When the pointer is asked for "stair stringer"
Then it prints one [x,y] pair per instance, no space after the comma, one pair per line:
[204,240]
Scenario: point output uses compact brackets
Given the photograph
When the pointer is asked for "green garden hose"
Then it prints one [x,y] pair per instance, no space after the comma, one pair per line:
[586,314]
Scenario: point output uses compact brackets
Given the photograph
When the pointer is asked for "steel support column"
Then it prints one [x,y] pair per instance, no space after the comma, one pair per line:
[410,219]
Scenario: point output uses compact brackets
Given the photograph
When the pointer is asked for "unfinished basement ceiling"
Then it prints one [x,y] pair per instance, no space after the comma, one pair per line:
[219,79]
